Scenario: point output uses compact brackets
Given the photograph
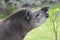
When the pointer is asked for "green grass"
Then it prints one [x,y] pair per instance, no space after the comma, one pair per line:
[45,31]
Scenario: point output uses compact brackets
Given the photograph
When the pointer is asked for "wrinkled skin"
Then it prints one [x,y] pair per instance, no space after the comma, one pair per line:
[17,25]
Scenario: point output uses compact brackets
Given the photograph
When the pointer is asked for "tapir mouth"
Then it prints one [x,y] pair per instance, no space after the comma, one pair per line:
[47,15]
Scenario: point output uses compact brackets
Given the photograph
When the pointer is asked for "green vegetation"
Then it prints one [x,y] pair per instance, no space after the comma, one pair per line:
[8,11]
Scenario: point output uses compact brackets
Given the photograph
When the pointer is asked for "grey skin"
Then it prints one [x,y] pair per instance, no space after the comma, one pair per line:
[17,25]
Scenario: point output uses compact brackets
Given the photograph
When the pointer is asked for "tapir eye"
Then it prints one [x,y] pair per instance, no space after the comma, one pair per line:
[37,15]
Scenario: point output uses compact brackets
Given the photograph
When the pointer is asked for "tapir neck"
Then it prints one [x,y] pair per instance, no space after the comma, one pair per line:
[18,26]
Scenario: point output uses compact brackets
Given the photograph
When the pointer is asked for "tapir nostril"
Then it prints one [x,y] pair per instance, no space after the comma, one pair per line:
[45,9]
[47,15]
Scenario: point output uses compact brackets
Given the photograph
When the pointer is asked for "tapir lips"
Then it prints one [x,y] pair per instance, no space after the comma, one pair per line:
[47,15]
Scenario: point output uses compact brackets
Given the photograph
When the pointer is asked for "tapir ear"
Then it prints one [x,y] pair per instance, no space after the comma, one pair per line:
[27,16]
[45,9]
[27,13]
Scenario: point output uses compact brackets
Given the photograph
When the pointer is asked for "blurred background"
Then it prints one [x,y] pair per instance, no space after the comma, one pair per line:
[50,30]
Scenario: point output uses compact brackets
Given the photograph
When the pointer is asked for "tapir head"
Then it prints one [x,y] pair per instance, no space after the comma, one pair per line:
[39,16]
